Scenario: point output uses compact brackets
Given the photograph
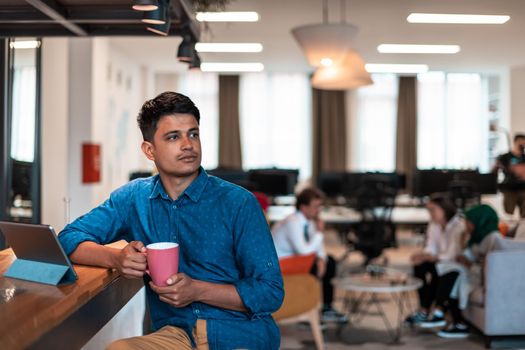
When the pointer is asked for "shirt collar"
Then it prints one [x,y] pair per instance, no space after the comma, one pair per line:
[302,218]
[158,189]
[193,191]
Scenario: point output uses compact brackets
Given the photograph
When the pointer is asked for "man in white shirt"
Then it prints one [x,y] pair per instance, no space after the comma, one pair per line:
[301,233]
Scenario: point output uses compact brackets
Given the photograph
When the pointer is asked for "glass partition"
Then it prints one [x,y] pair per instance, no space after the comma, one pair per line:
[23,121]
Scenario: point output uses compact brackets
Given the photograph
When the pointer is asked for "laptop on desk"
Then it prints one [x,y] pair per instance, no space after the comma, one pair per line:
[40,257]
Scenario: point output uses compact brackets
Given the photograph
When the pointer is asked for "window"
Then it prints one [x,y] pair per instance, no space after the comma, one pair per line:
[203,89]
[374,127]
[452,128]
[23,115]
[275,122]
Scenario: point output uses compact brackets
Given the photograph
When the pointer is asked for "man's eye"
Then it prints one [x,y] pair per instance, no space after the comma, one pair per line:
[173,137]
[194,135]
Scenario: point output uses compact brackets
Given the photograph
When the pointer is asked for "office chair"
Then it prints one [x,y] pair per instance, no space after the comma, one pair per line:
[375,201]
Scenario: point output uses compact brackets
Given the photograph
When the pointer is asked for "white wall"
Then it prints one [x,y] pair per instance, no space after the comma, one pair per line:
[165,82]
[517,102]
[90,93]
[118,94]
[55,126]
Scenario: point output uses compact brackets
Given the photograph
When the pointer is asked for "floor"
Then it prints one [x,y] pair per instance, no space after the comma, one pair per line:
[370,332]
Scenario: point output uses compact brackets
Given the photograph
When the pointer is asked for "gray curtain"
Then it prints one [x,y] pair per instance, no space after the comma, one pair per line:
[329,131]
[406,137]
[230,155]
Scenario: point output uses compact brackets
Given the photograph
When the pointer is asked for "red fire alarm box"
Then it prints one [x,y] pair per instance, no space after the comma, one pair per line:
[91,163]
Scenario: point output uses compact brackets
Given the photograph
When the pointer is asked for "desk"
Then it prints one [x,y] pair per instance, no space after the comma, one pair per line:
[39,316]
[338,215]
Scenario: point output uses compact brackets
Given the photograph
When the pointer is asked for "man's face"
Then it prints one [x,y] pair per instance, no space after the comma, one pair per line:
[176,146]
[520,144]
[312,210]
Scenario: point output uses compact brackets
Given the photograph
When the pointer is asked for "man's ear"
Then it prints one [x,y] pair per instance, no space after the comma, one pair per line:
[148,149]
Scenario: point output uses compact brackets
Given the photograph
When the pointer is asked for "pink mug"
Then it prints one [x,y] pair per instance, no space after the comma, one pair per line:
[163,261]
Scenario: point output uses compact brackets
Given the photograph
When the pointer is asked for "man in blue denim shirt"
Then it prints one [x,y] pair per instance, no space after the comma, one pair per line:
[229,281]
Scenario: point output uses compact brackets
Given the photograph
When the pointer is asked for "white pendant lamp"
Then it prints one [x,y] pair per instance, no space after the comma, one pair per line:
[328,46]
[350,73]
[325,41]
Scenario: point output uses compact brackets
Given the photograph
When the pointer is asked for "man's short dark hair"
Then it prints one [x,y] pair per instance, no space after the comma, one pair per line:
[307,196]
[518,137]
[167,103]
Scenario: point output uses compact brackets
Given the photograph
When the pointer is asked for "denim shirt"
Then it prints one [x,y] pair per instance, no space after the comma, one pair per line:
[223,238]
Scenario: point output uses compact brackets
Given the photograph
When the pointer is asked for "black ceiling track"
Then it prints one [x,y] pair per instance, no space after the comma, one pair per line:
[41,18]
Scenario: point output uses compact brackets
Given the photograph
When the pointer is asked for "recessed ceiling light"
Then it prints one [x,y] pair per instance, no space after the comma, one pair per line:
[232,67]
[402,48]
[227,16]
[228,47]
[456,18]
[396,68]
[24,44]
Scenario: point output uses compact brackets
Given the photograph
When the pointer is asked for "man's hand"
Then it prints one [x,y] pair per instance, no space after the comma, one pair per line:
[321,267]
[422,257]
[131,260]
[463,261]
[519,171]
[180,291]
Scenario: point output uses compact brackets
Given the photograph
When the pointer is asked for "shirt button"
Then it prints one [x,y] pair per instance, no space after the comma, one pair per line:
[197,311]
[174,206]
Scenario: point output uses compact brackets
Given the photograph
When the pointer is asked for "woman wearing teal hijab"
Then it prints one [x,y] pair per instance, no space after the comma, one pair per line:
[483,221]
[480,236]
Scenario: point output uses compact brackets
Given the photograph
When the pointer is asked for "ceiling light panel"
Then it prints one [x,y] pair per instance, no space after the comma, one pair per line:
[248,16]
[228,47]
[424,49]
[25,44]
[456,18]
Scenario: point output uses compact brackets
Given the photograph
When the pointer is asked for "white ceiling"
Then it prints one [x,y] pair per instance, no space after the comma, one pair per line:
[483,47]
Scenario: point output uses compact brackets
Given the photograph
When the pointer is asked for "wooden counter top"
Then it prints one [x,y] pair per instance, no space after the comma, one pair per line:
[38,315]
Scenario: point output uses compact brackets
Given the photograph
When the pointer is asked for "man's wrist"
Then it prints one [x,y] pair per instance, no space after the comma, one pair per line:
[200,288]
[112,257]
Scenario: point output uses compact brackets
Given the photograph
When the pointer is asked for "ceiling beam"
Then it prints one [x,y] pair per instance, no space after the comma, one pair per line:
[55,11]
[53,29]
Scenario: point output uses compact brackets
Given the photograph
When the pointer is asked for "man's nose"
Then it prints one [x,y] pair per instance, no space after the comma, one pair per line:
[186,143]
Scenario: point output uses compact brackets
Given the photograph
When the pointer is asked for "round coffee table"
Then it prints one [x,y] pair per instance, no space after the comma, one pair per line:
[368,287]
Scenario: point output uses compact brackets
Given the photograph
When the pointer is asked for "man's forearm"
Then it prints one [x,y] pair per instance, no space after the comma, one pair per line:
[221,295]
[91,253]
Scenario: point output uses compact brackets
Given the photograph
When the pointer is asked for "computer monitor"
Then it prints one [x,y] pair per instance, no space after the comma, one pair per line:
[355,181]
[236,176]
[139,174]
[274,182]
[431,181]
[332,183]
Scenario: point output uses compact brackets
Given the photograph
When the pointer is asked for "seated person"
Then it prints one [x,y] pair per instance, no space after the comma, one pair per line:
[302,233]
[443,243]
[481,235]
[229,281]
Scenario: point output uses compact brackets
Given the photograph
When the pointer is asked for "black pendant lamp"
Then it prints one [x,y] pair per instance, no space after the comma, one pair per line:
[157,16]
[145,5]
[186,48]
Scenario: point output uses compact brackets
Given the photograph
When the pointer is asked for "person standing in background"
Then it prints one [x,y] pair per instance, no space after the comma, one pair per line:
[513,166]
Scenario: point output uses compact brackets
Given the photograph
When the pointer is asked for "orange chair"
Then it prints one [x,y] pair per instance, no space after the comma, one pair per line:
[302,295]
[503,228]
